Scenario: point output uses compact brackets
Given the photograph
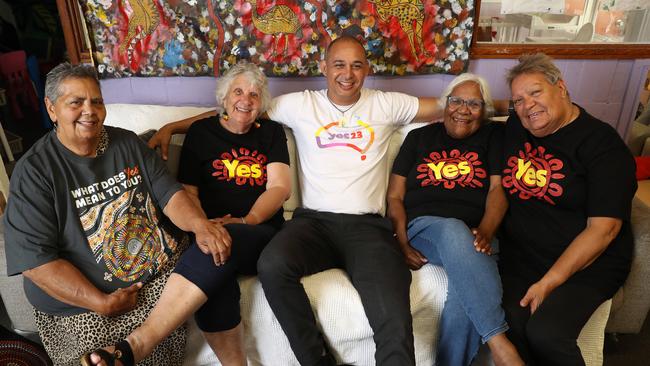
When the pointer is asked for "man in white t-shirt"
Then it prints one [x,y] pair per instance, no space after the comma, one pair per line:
[342,136]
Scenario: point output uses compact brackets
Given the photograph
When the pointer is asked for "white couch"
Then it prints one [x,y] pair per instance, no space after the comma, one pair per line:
[336,304]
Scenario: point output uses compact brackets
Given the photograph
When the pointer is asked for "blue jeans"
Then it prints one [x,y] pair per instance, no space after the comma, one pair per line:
[472,311]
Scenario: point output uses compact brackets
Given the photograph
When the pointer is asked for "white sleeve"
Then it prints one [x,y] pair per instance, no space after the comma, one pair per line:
[403,107]
[284,108]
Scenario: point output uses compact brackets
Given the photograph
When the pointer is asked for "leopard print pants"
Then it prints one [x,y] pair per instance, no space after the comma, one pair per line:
[66,338]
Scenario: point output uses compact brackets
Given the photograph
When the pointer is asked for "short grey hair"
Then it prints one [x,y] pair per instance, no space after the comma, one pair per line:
[66,71]
[254,76]
[488,103]
[535,63]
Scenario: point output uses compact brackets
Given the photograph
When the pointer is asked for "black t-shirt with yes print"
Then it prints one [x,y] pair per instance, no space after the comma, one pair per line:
[230,170]
[449,177]
[554,184]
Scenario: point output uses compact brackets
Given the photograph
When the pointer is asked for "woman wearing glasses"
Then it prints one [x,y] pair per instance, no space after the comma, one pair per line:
[446,201]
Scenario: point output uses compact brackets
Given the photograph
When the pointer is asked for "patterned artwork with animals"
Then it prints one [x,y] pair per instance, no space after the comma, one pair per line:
[284,37]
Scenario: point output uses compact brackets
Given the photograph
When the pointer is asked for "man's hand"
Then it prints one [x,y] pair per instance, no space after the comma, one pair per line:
[120,301]
[213,239]
[482,241]
[161,139]
[414,259]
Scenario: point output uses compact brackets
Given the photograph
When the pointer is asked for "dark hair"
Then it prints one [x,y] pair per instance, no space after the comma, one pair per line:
[65,71]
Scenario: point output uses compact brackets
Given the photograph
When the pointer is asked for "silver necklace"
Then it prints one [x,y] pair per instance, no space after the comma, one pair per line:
[337,107]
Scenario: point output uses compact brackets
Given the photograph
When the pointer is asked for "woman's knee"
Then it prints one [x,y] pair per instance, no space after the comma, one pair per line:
[221,310]
[211,321]
[453,227]
[441,229]
[455,239]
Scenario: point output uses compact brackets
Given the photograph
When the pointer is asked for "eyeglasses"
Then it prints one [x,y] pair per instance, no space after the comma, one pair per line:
[474,105]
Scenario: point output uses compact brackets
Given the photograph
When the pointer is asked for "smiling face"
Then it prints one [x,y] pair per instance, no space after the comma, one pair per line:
[243,102]
[462,121]
[541,106]
[345,67]
[79,114]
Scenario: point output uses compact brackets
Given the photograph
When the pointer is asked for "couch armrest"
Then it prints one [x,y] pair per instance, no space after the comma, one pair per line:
[15,302]
[631,303]
[638,139]
[646,147]
[294,200]
[173,157]
[173,153]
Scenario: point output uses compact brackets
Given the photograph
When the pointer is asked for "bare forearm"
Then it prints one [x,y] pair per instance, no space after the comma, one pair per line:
[397,215]
[267,204]
[428,110]
[395,206]
[193,194]
[211,237]
[496,205]
[583,251]
[63,281]
[278,190]
[184,213]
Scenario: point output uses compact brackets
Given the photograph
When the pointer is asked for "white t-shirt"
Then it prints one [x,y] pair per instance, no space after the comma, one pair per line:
[343,163]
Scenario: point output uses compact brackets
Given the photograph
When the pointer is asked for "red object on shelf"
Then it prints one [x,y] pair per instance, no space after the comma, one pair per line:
[13,70]
[642,167]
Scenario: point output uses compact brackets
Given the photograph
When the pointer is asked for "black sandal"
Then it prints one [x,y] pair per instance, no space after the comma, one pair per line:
[122,353]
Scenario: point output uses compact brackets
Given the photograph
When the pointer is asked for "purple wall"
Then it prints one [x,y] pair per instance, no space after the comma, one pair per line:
[608,89]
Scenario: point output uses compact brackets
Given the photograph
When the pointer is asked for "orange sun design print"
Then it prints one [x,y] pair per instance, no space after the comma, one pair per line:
[451,169]
[533,173]
[242,166]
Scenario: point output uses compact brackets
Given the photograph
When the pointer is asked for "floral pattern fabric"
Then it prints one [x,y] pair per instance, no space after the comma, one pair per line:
[284,37]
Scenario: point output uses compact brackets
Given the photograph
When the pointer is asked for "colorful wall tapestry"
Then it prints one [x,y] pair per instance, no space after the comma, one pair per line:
[284,37]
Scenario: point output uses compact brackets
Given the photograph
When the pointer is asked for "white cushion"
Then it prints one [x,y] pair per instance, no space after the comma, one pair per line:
[340,315]
[140,118]
[592,337]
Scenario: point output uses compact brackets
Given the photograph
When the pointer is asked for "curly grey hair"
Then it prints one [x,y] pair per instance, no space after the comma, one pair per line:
[66,71]
[254,76]
[488,106]
[535,63]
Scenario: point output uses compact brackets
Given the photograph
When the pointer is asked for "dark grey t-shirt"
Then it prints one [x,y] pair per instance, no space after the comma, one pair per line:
[101,214]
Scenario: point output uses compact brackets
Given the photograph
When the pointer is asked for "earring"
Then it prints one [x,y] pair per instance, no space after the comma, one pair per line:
[225,116]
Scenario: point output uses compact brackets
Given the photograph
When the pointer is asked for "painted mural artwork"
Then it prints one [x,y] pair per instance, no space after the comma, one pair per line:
[284,37]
